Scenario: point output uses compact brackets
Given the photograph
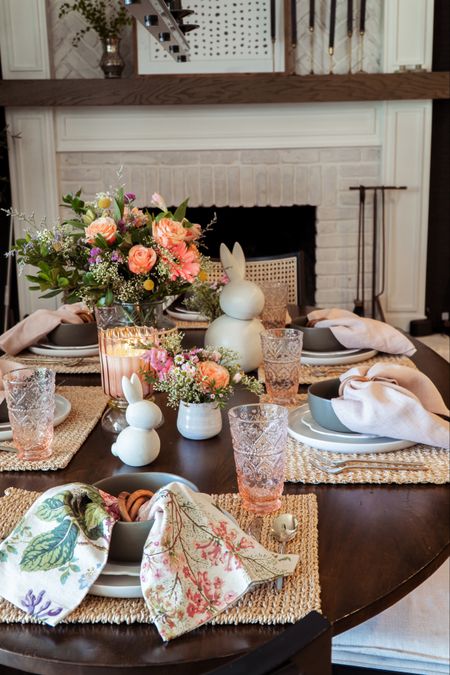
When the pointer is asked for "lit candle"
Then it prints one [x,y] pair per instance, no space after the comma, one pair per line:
[332,26]
[362,18]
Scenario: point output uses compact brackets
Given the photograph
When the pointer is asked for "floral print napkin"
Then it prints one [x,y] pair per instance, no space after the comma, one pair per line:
[197,561]
[57,551]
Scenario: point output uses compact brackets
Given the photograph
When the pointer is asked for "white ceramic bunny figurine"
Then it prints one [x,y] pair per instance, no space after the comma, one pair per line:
[242,301]
[138,444]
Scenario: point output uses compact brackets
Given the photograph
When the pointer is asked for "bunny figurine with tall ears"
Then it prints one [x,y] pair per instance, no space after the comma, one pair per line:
[241,301]
[138,444]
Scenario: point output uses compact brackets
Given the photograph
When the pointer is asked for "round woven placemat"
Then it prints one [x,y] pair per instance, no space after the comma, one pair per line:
[85,365]
[88,404]
[264,604]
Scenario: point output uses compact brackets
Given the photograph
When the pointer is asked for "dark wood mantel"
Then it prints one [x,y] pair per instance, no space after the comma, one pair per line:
[225,89]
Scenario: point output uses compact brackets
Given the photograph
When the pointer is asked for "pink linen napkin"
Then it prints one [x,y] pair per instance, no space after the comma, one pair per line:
[355,332]
[394,401]
[6,365]
[57,551]
[197,562]
[36,326]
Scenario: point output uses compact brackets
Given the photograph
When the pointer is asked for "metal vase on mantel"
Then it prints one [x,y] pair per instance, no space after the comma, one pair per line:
[112,62]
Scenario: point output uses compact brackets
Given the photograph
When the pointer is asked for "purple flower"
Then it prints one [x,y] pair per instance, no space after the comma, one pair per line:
[94,255]
[122,227]
[31,604]
[116,256]
[129,197]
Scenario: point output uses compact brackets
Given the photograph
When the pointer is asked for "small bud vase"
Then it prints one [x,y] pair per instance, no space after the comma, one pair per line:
[199,421]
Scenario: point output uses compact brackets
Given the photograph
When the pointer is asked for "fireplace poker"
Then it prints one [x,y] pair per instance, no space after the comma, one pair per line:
[359,300]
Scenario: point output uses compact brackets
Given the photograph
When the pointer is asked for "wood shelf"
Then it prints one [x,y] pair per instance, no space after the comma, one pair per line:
[225,89]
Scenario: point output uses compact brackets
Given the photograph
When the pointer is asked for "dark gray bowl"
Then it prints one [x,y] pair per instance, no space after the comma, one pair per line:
[4,417]
[128,539]
[316,339]
[74,334]
[319,399]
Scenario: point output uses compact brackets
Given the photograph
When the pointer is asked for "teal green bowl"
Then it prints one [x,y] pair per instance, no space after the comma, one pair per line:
[319,400]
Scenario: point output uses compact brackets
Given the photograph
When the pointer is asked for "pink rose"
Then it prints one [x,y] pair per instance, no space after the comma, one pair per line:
[141,259]
[104,226]
[168,232]
[186,264]
[213,376]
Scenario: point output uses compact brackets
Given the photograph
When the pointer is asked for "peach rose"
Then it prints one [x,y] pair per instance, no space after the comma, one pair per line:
[104,226]
[141,259]
[192,233]
[212,375]
[168,232]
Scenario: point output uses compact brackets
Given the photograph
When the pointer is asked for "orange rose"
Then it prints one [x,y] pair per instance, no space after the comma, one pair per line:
[168,232]
[104,226]
[141,259]
[192,233]
[212,375]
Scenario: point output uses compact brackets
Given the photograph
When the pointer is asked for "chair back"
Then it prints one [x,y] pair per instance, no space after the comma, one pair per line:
[284,267]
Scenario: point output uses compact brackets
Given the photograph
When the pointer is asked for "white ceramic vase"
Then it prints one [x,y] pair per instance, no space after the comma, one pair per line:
[198,421]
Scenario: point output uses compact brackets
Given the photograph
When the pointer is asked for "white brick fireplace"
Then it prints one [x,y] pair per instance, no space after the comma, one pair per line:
[240,155]
[244,156]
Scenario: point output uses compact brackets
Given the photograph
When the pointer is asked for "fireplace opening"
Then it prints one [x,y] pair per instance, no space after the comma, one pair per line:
[264,231]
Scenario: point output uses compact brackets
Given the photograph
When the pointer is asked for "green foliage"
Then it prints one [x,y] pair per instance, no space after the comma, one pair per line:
[106,17]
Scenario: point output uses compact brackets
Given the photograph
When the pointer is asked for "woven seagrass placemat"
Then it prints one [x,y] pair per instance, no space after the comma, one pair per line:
[84,365]
[88,404]
[300,469]
[310,374]
[264,605]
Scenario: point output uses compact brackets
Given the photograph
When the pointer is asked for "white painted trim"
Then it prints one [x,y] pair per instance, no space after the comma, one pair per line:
[34,176]
[218,127]
[408,34]
[24,40]
[406,161]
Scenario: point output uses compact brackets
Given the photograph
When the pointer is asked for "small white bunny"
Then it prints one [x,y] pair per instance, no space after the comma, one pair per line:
[138,444]
[242,301]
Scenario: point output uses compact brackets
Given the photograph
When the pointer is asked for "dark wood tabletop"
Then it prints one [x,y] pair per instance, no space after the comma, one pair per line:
[376,544]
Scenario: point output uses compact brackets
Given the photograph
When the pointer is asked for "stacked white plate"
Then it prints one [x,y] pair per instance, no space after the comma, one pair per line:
[341,357]
[47,349]
[118,580]
[304,428]
[186,314]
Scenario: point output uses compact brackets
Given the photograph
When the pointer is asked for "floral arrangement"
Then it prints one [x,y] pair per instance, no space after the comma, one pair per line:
[197,375]
[111,251]
[204,297]
[107,18]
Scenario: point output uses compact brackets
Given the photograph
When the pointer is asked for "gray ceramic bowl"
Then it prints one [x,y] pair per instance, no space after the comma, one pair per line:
[4,417]
[319,399]
[316,339]
[74,334]
[128,539]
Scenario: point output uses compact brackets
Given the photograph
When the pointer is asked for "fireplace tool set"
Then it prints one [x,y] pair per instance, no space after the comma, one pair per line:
[378,266]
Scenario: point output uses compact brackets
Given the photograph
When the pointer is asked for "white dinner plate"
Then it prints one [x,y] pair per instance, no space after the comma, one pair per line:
[117,586]
[343,359]
[122,580]
[335,443]
[62,410]
[121,568]
[186,316]
[310,422]
[338,352]
[44,350]
[58,348]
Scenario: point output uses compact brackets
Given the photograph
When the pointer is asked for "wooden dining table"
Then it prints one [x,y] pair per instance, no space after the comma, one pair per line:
[376,544]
